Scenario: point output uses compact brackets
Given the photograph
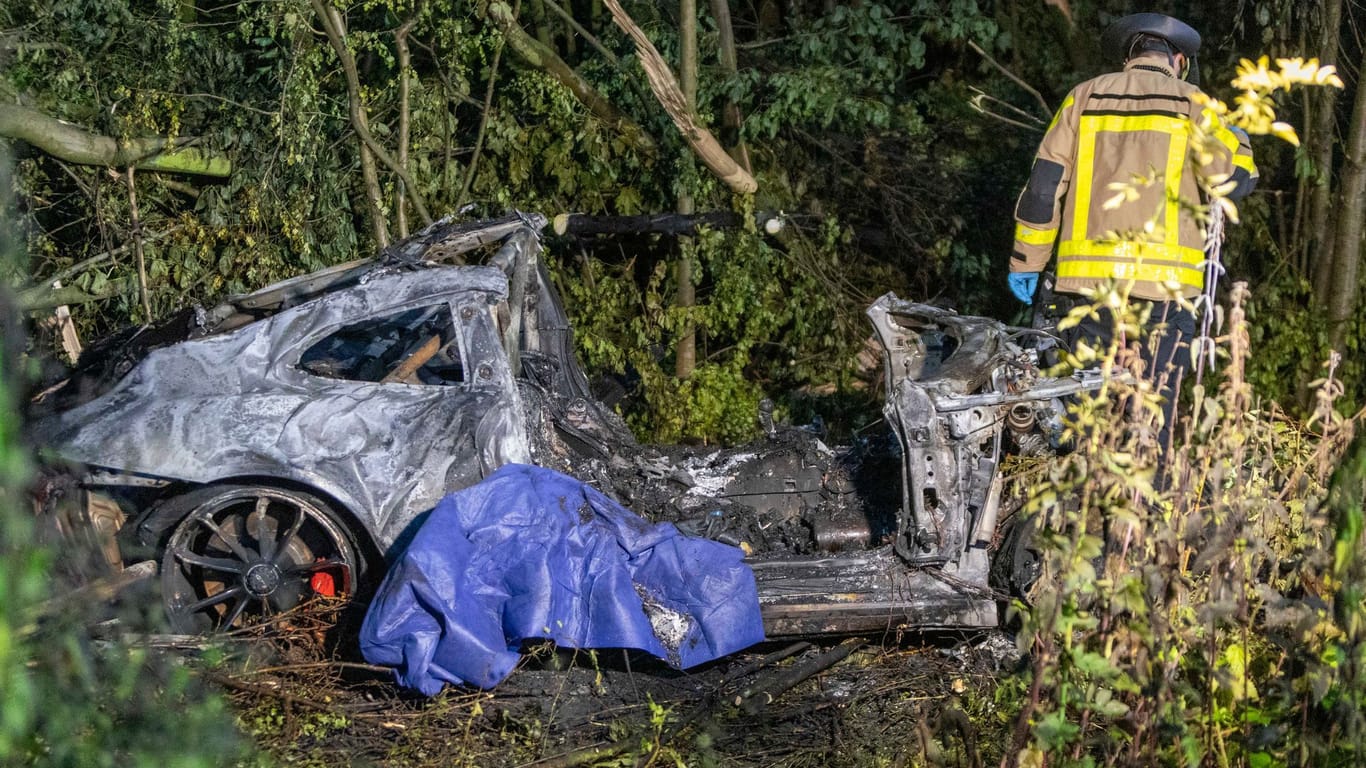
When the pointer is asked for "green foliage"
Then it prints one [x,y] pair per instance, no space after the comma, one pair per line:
[1201,615]
[766,319]
[651,746]
[65,700]
[848,139]
[292,736]
[1190,611]
[853,66]
[855,114]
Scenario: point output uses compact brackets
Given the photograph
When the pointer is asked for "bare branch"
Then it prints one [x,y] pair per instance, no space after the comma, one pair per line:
[585,34]
[485,115]
[136,233]
[1013,77]
[336,35]
[978,103]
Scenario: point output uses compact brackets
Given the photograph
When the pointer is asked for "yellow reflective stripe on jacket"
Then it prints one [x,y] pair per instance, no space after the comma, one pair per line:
[1221,132]
[1245,162]
[1067,102]
[1126,123]
[1085,171]
[1032,236]
[1122,260]
[1175,128]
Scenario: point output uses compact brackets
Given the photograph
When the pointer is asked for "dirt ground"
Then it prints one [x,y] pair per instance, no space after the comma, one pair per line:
[915,700]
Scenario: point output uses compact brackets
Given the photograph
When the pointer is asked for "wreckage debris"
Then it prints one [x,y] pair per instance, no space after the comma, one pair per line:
[356,398]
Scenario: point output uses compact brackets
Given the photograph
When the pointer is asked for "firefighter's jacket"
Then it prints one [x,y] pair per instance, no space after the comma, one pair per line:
[1142,123]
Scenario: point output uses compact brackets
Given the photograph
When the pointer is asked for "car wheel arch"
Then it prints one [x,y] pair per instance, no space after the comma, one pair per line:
[156,524]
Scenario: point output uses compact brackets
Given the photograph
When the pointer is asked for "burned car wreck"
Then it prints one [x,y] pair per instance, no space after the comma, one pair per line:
[284,443]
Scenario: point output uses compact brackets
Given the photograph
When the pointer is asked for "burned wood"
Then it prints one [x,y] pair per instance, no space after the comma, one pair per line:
[673,224]
[755,698]
[709,704]
[770,659]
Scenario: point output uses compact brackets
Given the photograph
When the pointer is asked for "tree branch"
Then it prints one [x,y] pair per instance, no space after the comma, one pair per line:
[585,34]
[731,119]
[532,52]
[486,114]
[99,258]
[47,297]
[666,89]
[336,34]
[136,232]
[75,144]
[1031,90]
[404,115]
[335,30]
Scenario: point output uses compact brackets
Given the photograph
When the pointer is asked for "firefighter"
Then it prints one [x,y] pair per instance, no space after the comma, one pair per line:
[1113,129]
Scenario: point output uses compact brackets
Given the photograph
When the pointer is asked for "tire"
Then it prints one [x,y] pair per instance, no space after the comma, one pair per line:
[244,553]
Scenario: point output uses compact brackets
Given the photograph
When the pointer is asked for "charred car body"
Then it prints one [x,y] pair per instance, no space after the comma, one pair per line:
[282,443]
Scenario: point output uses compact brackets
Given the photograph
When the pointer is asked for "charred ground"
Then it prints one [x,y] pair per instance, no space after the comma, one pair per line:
[891,700]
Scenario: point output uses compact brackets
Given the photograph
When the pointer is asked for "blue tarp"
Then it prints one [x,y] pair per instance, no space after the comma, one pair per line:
[530,553]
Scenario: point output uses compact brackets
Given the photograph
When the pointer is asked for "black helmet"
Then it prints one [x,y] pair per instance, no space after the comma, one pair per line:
[1119,36]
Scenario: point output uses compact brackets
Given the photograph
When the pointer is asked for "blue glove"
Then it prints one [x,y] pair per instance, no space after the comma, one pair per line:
[1022,284]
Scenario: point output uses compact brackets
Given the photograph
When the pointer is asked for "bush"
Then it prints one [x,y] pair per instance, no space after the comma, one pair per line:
[66,699]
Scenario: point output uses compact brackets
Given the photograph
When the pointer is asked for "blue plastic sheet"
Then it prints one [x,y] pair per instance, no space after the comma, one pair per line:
[530,553]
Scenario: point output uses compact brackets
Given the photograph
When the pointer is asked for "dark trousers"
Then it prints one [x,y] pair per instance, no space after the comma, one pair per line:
[1165,348]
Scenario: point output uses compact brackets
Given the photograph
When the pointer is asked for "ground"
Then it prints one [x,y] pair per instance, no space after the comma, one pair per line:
[912,700]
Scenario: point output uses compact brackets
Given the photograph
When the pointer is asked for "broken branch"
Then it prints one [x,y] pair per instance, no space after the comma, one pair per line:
[267,690]
[666,89]
[978,104]
[755,698]
[47,297]
[1013,77]
[76,145]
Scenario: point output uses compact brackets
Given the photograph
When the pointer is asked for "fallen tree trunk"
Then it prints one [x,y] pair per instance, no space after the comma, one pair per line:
[75,144]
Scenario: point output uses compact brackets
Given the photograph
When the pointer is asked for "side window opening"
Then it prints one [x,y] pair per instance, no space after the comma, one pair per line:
[416,346]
